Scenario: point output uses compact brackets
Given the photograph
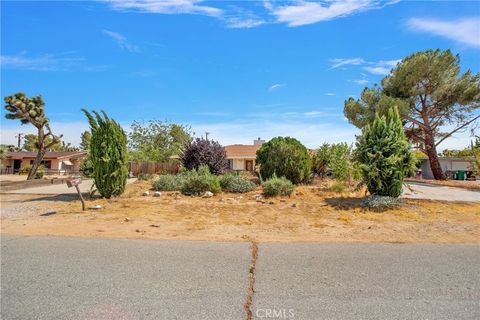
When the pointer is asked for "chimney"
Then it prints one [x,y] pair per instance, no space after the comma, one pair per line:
[258,142]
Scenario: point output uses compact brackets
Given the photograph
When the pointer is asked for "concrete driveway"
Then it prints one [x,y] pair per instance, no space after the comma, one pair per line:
[437,192]
[81,278]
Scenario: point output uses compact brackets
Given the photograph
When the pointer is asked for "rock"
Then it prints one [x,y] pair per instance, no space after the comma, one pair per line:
[258,197]
[138,230]
[208,194]
[177,197]
[146,193]
[294,205]
[96,207]
[271,202]
[126,219]
[154,226]
[157,194]
[221,200]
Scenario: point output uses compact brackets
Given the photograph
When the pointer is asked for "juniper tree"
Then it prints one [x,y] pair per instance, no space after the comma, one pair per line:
[434,99]
[384,155]
[108,154]
[32,110]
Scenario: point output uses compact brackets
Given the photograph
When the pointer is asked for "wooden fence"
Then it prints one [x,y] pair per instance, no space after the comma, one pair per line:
[137,168]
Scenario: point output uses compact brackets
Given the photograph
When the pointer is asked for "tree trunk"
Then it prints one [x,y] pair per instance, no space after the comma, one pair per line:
[431,150]
[36,164]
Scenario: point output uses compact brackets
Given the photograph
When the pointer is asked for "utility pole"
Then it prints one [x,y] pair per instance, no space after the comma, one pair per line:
[19,139]
[206,135]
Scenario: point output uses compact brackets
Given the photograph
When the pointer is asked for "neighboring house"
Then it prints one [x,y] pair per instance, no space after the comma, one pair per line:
[54,162]
[448,164]
[241,157]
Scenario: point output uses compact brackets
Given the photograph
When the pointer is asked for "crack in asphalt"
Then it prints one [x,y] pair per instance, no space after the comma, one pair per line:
[251,288]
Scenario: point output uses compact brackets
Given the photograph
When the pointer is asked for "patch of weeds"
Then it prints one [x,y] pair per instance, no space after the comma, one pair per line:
[346,219]
[236,183]
[277,187]
[338,187]
[381,202]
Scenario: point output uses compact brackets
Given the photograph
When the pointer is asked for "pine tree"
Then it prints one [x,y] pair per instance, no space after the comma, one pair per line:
[384,155]
[108,154]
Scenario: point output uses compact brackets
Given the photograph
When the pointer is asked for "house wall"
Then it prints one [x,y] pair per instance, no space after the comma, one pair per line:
[447,165]
[239,163]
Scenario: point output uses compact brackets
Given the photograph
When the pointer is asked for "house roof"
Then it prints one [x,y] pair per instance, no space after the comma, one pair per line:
[242,150]
[48,154]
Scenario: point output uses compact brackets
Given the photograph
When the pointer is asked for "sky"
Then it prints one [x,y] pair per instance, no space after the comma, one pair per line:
[236,69]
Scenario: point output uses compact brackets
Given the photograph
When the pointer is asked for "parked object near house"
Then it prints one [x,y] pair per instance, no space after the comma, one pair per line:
[450,166]
[63,162]
[241,157]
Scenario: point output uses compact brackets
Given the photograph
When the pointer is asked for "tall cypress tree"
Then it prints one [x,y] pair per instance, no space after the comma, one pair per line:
[384,155]
[108,154]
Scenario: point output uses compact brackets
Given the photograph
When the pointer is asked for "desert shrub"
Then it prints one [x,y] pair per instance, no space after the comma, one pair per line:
[380,202]
[338,187]
[236,183]
[286,157]
[40,172]
[86,167]
[204,152]
[335,160]
[198,181]
[25,170]
[146,176]
[277,187]
[108,154]
[169,182]
[384,155]
[321,159]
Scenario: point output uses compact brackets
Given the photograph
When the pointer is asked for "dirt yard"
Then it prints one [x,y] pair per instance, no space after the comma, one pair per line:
[312,214]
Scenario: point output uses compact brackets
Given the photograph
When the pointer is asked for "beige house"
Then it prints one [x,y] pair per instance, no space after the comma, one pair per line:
[241,157]
[54,162]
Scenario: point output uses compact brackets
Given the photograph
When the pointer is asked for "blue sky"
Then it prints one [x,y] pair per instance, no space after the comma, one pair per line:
[237,69]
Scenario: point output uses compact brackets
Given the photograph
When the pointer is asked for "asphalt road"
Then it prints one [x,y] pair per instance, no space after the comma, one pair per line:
[80,278]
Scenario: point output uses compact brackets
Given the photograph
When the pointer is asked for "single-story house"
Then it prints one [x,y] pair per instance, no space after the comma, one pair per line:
[448,164]
[54,162]
[241,157]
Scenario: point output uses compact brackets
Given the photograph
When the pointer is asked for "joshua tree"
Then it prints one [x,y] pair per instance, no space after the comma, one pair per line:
[32,110]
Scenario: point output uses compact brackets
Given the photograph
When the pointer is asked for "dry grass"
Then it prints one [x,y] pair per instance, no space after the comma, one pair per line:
[312,213]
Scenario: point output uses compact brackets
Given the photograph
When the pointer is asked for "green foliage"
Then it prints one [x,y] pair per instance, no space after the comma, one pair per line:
[157,141]
[85,138]
[204,152]
[25,169]
[277,187]
[285,156]
[336,160]
[169,182]
[384,155]
[381,202]
[425,85]
[198,181]
[146,176]
[467,152]
[108,154]
[40,172]
[476,162]
[86,167]
[235,183]
[30,143]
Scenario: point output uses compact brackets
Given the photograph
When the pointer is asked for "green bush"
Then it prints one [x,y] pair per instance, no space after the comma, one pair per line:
[335,160]
[235,183]
[25,170]
[286,157]
[384,155]
[169,182]
[277,187]
[198,181]
[40,172]
[108,154]
[86,167]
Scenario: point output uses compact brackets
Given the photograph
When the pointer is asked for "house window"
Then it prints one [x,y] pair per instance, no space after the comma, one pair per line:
[46,163]
[230,164]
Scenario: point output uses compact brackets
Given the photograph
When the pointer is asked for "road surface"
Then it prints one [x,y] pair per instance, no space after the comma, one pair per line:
[82,278]
[438,192]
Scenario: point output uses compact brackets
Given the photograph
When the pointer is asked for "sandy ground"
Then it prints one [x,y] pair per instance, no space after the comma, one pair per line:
[312,214]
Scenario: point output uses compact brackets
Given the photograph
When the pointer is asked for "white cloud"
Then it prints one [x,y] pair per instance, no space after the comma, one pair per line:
[330,94]
[308,12]
[166,6]
[465,30]
[361,81]
[66,61]
[276,86]
[382,67]
[122,41]
[338,62]
[243,23]
[378,70]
